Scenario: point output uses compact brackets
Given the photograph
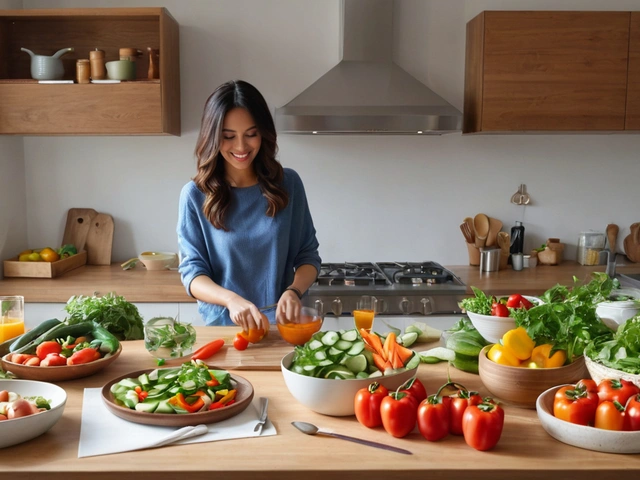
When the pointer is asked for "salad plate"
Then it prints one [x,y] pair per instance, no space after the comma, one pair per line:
[243,399]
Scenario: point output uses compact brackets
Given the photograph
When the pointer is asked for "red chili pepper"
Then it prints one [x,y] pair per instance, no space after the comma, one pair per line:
[208,350]
[216,405]
[86,355]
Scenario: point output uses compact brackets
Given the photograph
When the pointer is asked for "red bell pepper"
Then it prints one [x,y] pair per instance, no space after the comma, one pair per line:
[367,404]
[181,402]
[482,425]
[433,418]
[632,414]
[577,404]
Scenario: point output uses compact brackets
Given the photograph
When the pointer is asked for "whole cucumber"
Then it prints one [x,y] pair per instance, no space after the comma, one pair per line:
[59,331]
[109,343]
[466,363]
[35,332]
[465,344]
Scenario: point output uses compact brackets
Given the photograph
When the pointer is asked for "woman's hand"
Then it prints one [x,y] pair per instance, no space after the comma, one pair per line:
[246,314]
[288,306]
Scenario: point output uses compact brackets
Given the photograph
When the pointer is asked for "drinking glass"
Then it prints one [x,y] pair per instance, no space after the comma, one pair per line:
[167,338]
[11,317]
[364,312]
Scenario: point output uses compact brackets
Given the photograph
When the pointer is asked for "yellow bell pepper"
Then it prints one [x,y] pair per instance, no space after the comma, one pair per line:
[519,343]
[499,354]
[540,357]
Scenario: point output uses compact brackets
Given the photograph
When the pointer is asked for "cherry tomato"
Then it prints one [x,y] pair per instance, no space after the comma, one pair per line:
[416,388]
[632,413]
[399,412]
[610,416]
[240,343]
[433,418]
[577,404]
[482,425]
[518,301]
[367,404]
[617,390]
[45,348]
[499,310]
[458,404]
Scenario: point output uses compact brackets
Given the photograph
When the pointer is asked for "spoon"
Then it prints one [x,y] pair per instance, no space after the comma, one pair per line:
[470,228]
[481,226]
[504,241]
[311,429]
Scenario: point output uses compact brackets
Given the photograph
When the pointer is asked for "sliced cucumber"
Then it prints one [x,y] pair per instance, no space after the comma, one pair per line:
[409,339]
[330,338]
[356,349]
[349,336]
[413,362]
[320,355]
[164,407]
[343,345]
[334,353]
[356,364]
[315,345]
[147,407]
[440,353]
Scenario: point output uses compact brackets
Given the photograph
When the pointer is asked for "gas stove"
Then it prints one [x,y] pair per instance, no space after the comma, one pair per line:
[401,288]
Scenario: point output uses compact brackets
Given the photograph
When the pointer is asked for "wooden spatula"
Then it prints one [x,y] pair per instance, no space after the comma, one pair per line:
[612,236]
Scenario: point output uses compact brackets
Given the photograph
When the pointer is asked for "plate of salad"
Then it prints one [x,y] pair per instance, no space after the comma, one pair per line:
[190,394]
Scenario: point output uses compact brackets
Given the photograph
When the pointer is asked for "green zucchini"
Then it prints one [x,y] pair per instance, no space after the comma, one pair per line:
[32,334]
[61,330]
[465,344]
[465,363]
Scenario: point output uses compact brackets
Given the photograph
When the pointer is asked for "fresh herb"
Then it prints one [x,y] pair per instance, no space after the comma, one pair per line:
[6,375]
[541,248]
[112,312]
[160,362]
[480,304]
[568,319]
[40,402]
[462,325]
[167,337]
[623,351]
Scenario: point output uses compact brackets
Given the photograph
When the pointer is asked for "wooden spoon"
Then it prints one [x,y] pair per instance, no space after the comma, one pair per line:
[495,226]
[612,236]
[471,228]
[481,226]
[504,241]
[465,233]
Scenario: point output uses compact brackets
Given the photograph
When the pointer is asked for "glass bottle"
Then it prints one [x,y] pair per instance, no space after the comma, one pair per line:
[517,238]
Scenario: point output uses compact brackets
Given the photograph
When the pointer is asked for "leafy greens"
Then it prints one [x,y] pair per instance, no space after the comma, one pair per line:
[623,351]
[111,311]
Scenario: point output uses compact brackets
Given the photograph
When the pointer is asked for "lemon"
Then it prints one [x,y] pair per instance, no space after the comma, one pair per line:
[24,257]
[34,257]
[25,252]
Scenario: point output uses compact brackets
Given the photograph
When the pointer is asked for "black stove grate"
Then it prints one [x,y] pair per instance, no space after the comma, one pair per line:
[412,273]
[351,274]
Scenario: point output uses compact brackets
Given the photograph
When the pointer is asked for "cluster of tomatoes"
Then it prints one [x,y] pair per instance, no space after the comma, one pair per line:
[610,404]
[438,415]
[500,309]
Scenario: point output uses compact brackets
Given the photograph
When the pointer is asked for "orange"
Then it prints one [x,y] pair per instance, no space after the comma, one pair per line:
[49,255]
[255,335]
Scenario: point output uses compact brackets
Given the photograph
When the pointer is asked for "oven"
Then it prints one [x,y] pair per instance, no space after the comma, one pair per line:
[406,292]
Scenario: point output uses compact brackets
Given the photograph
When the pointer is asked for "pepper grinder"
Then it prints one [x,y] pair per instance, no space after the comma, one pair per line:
[154,67]
[98,71]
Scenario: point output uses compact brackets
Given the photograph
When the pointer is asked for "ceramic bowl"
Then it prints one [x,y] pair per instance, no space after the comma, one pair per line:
[121,70]
[159,260]
[333,397]
[61,373]
[300,331]
[521,386]
[22,429]
[493,328]
[590,438]
[600,372]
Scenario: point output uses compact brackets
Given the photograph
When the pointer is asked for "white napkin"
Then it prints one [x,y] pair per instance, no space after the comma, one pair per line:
[102,433]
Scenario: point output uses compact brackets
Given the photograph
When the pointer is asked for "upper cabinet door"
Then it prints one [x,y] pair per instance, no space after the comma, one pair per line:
[633,86]
[546,71]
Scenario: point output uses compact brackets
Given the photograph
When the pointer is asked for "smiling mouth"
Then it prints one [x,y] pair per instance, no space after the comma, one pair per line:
[241,157]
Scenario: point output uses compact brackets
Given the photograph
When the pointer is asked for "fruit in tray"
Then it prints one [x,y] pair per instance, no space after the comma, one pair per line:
[47,254]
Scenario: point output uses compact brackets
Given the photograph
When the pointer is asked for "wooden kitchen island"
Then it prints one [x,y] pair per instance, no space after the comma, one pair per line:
[525,450]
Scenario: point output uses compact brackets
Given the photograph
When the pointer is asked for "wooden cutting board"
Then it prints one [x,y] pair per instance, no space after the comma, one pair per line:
[77,227]
[100,240]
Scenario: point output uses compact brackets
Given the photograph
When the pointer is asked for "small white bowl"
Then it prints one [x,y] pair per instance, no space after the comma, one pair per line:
[159,260]
[21,429]
[333,397]
[615,313]
[493,328]
[590,438]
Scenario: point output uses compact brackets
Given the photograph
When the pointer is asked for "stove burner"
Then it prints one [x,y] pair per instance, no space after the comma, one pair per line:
[351,274]
[416,273]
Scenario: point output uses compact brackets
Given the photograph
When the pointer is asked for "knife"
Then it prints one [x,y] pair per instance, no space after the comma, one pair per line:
[264,403]
[180,434]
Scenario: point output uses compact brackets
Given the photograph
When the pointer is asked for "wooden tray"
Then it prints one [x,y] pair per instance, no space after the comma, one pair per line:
[15,268]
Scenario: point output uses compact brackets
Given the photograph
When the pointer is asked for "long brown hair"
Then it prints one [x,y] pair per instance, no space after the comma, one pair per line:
[210,178]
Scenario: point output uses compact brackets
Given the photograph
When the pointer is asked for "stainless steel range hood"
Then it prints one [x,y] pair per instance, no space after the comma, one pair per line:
[367,93]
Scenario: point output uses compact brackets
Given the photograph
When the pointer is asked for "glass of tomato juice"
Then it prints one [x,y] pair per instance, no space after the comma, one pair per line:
[11,317]
[298,331]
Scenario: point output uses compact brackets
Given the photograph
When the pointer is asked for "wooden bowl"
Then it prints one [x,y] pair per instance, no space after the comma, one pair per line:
[521,386]
[243,399]
[58,374]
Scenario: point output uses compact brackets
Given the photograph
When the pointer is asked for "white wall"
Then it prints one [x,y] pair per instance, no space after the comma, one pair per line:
[373,198]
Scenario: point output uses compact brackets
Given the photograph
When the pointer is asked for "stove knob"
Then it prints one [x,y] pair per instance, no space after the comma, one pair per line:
[336,307]
[405,305]
[427,308]
[319,306]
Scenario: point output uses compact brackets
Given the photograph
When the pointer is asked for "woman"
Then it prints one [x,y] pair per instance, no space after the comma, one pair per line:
[245,233]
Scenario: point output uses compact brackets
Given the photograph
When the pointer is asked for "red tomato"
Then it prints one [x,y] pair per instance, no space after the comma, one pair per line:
[632,413]
[240,343]
[399,412]
[499,310]
[416,388]
[458,404]
[433,418]
[367,404]
[45,348]
[518,301]
[53,360]
[610,416]
[482,425]
[617,390]
[577,404]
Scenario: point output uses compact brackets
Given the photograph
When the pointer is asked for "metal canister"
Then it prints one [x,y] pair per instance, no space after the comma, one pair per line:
[83,71]
[98,71]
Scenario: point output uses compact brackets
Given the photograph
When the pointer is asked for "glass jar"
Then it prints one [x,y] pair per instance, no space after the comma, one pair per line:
[590,244]
[166,338]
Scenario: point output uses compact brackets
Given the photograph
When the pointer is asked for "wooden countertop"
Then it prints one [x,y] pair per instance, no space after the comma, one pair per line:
[525,450]
[139,285]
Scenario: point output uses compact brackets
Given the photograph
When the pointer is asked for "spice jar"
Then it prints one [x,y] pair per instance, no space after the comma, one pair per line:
[98,71]
[83,71]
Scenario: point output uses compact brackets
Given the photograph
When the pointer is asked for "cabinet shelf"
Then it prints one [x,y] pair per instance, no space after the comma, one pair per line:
[140,107]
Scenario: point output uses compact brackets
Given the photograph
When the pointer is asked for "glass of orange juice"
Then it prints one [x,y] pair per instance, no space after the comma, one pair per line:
[11,317]
[365,312]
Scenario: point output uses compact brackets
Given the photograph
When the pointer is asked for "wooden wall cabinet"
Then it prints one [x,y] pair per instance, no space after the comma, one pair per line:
[140,107]
[549,72]
[633,84]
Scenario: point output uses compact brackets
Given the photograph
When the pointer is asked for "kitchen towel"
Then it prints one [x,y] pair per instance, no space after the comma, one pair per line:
[101,431]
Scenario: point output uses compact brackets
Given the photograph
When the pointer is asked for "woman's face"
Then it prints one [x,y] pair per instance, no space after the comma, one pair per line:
[240,139]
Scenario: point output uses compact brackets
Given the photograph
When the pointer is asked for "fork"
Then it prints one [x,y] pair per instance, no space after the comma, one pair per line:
[264,403]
